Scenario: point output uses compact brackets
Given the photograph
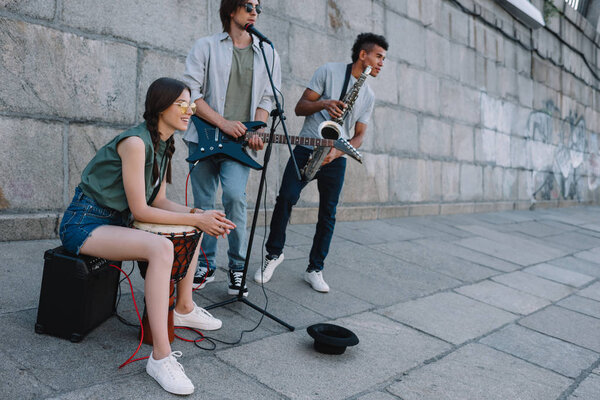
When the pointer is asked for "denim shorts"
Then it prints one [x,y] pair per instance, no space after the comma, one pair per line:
[83,216]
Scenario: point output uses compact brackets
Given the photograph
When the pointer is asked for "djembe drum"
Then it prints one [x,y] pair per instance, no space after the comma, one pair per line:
[185,240]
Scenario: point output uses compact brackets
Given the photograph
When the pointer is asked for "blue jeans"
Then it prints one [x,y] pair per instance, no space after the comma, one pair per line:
[205,181]
[330,180]
[83,216]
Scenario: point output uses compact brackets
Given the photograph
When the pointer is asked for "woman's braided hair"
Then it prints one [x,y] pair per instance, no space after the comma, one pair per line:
[161,94]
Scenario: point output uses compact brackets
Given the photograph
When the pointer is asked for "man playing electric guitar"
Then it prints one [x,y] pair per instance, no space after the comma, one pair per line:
[229,83]
[318,103]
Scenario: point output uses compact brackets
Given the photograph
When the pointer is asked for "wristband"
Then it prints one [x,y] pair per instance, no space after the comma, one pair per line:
[193,210]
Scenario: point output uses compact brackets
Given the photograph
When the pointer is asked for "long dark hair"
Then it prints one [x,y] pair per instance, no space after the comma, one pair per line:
[161,94]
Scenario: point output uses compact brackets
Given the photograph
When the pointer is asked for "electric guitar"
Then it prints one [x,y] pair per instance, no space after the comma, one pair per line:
[211,141]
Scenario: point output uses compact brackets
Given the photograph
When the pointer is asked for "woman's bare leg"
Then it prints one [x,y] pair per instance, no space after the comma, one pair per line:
[120,243]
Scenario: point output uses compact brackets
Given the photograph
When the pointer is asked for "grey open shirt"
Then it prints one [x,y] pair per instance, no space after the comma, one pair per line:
[207,69]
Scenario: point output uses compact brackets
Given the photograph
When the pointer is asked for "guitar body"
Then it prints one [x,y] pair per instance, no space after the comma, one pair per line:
[211,141]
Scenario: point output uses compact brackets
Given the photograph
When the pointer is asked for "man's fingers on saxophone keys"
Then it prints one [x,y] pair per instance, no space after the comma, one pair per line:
[335,108]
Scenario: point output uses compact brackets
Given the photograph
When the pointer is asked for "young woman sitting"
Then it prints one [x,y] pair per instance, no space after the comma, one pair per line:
[126,180]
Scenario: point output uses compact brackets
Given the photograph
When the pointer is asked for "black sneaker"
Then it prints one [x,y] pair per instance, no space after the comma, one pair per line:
[235,282]
[202,278]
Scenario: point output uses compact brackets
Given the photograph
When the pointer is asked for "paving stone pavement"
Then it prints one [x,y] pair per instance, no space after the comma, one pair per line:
[501,305]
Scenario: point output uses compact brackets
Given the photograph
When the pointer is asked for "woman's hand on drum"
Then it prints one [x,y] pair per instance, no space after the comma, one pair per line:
[214,223]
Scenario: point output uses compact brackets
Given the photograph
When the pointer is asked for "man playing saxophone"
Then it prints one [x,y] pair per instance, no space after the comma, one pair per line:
[318,104]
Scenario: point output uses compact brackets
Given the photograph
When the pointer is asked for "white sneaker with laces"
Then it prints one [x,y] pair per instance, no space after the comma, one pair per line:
[265,272]
[170,374]
[199,318]
[315,278]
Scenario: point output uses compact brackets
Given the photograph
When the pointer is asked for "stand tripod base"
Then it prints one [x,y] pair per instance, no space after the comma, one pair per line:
[257,308]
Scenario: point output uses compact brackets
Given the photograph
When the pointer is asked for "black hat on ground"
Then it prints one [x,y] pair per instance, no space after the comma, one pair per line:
[331,339]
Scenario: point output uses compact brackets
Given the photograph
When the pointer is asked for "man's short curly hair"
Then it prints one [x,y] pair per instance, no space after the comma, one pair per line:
[366,41]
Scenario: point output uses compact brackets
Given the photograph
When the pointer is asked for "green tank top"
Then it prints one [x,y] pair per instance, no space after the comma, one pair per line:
[102,178]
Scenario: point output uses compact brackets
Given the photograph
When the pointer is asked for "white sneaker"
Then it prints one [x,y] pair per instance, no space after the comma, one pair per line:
[199,318]
[315,278]
[265,272]
[170,374]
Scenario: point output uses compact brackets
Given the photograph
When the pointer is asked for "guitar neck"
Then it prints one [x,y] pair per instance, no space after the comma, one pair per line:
[277,138]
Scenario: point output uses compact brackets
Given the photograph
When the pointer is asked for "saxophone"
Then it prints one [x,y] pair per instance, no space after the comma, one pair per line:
[333,129]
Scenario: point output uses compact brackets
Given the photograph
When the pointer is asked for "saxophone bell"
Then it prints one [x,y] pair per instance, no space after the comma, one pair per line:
[330,130]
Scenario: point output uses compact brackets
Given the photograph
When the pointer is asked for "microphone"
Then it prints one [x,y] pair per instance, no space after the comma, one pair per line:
[251,29]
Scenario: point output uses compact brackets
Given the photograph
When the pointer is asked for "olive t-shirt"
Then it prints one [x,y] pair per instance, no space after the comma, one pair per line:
[239,89]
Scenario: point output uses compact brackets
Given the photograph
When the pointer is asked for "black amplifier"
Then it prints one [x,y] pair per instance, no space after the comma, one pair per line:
[78,293]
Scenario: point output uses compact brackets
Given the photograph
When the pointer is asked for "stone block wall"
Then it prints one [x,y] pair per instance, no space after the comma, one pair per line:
[474,111]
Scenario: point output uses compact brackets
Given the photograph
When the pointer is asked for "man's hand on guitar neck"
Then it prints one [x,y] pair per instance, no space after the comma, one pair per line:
[255,142]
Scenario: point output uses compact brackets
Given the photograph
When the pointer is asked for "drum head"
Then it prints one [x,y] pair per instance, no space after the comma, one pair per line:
[164,229]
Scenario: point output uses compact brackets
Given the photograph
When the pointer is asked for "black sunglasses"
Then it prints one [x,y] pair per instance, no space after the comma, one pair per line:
[250,6]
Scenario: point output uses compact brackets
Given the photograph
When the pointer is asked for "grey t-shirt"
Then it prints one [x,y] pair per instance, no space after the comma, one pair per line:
[328,80]
[239,88]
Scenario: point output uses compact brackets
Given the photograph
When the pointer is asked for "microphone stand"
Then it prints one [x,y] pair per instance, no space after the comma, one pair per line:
[277,113]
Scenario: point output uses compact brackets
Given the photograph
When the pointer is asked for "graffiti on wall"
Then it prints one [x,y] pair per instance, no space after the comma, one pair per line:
[562,170]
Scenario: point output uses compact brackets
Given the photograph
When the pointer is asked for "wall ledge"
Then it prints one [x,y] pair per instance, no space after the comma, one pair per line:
[44,225]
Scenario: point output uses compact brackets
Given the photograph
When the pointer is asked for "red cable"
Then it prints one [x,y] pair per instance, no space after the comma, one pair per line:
[129,360]
[189,329]
[186,185]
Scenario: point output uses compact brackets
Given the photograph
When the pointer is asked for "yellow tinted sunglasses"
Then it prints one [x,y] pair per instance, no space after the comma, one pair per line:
[184,106]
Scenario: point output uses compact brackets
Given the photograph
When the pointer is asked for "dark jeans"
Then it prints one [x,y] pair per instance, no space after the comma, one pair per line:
[330,180]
